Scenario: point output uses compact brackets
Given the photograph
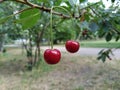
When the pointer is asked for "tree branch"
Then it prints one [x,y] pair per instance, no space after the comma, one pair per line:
[42,8]
[1,1]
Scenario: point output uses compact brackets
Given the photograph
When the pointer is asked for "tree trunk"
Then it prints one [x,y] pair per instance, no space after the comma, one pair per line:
[37,51]
[1,46]
[1,42]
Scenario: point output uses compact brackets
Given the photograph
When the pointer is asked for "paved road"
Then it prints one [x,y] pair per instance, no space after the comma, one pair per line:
[86,51]
[81,52]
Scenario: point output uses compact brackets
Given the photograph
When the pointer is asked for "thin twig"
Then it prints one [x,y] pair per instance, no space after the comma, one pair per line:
[103,19]
[42,8]
[90,6]
[1,1]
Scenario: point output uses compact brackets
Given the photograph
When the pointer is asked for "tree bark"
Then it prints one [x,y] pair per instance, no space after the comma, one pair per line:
[1,42]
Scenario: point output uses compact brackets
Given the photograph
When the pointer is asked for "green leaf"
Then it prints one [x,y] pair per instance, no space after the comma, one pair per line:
[57,2]
[108,36]
[99,57]
[3,20]
[117,38]
[101,51]
[45,1]
[87,17]
[82,1]
[29,18]
[112,1]
[103,58]
[74,2]
[71,2]
[68,6]
[103,54]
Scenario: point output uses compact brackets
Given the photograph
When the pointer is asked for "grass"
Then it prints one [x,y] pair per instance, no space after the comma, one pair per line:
[100,44]
[74,72]
[80,88]
[13,71]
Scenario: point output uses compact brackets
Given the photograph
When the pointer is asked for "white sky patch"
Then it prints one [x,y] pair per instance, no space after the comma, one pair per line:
[105,2]
[64,4]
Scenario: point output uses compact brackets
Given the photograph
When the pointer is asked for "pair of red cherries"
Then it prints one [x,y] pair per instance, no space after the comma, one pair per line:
[53,56]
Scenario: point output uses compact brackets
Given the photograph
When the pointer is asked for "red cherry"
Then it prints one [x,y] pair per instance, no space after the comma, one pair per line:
[72,46]
[52,56]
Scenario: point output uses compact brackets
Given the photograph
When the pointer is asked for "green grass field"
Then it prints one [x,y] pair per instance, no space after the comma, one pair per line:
[100,44]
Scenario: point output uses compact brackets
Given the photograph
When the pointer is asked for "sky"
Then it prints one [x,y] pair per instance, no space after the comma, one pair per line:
[107,3]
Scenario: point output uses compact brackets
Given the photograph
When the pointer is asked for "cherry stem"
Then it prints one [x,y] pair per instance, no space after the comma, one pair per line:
[51,31]
[64,10]
[51,23]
